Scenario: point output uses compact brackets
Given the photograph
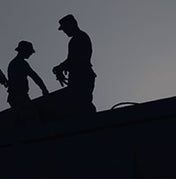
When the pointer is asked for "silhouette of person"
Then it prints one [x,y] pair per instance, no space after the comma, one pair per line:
[18,71]
[3,79]
[76,71]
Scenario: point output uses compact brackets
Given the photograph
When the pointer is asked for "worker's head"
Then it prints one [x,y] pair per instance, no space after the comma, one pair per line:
[25,49]
[68,24]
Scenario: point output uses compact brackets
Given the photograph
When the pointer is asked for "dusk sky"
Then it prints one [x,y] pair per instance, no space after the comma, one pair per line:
[134,45]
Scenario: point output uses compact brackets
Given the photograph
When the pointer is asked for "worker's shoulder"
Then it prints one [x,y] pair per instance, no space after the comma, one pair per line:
[18,63]
[81,37]
[12,63]
[83,34]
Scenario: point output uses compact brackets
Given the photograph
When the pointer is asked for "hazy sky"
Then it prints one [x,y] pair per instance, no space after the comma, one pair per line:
[134,44]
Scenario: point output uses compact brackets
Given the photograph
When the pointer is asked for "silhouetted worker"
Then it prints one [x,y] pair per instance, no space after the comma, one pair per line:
[81,77]
[3,79]
[18,71]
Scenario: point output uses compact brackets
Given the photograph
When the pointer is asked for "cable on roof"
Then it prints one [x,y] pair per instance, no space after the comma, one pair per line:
[124,103]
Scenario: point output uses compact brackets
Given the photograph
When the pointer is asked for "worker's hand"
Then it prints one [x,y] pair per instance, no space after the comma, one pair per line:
[56,69]
[61,74]
[6,84]
[65,72]
[45,92]
[3,79]
[62,79]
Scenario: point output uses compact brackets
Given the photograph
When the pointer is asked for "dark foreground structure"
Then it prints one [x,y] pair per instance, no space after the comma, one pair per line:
[132,141]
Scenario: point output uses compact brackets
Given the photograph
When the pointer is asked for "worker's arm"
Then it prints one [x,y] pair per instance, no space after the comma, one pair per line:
[63,68]
[3,79]
[38,81]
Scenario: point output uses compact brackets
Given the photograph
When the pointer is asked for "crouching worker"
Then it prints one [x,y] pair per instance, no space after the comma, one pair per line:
[18,71]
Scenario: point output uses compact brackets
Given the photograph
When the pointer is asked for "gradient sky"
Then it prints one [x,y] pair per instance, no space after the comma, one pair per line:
[134,43]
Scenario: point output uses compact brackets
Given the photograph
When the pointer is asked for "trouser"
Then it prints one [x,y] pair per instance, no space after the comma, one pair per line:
[26,112]
[18,100]
[81,84]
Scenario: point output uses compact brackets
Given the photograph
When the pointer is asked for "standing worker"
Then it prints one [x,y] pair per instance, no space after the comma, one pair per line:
[81,77]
